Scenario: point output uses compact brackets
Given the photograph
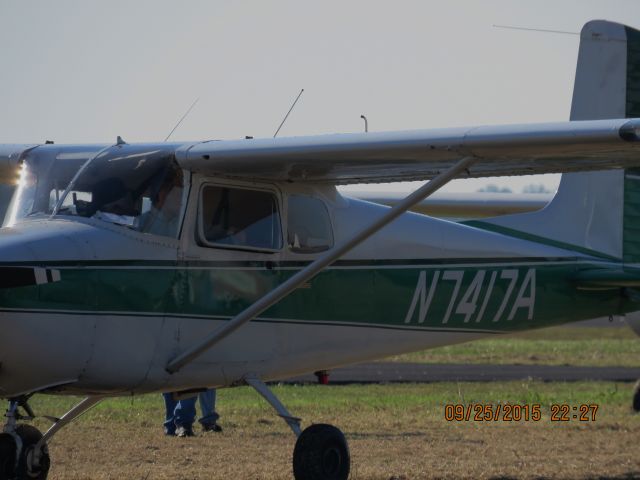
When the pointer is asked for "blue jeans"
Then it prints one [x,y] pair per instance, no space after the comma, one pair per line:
[207,400]
[183,412]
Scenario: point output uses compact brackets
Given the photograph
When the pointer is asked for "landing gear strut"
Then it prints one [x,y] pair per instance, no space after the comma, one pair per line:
[23,448]
[321,451]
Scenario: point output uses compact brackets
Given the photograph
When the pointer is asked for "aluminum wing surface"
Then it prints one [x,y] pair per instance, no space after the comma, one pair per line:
[422,154]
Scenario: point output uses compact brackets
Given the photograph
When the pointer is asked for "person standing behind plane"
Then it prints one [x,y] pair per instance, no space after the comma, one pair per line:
[180,415]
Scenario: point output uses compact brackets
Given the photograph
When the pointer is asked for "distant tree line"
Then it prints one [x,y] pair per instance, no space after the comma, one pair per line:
[531,188]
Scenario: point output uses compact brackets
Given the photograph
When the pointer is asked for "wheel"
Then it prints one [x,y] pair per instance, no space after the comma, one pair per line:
[321,453]
[7,456]
[26,470]
[636,397]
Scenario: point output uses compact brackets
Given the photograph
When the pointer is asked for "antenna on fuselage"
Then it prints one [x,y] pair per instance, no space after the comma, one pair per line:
[287,115]
[182,118]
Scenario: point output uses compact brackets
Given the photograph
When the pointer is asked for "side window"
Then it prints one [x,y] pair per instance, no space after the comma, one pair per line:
[239,218]
[309,228]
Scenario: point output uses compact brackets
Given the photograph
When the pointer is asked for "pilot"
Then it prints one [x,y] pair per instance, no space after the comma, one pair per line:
[180,415]
[164,215]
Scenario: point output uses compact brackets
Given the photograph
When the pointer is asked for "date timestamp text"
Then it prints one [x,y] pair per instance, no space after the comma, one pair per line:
[507,412]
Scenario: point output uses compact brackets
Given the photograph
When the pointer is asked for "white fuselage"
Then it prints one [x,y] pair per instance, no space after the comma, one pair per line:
[129,302]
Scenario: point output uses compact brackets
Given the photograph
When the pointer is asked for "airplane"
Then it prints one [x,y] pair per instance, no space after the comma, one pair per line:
[138,268]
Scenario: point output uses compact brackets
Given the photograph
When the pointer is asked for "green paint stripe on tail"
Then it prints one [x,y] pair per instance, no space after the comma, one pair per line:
[511,232]
[631,214]
[631,220]
[632,106]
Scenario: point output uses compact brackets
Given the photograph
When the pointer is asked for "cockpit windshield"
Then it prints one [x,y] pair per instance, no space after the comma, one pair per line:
[138,187]
[44,174]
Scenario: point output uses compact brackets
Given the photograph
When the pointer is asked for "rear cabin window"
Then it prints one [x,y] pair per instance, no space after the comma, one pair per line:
[237,217]
[309,227]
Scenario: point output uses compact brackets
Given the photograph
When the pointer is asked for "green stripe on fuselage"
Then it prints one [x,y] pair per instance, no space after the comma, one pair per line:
[511,232]
[472,294]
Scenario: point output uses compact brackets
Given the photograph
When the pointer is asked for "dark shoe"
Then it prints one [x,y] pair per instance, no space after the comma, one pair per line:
[169,432]
[183,432]
[211,427]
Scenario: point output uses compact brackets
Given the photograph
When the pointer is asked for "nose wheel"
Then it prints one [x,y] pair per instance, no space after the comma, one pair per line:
[34,461]
[23,449]
[22,466]
[7,456]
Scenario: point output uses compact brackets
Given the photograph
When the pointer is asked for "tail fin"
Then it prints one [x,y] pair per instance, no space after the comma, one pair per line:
[595,212]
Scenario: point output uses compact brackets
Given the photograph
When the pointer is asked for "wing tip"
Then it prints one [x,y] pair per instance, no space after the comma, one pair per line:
[630,131]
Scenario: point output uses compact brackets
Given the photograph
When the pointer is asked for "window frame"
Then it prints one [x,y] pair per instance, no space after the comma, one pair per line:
[201,239]
[329,218]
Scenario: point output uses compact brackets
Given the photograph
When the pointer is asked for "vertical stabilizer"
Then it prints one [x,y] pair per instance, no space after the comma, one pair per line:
[594,212]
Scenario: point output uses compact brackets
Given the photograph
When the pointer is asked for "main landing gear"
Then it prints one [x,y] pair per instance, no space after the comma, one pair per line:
[23,448]
[321,451]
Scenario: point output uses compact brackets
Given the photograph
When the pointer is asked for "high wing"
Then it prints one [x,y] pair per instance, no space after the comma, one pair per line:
[422,154]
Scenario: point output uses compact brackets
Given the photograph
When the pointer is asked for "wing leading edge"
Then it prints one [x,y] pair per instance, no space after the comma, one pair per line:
[422,154]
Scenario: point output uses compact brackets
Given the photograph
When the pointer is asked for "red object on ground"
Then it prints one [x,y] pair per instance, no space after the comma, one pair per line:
[323,377]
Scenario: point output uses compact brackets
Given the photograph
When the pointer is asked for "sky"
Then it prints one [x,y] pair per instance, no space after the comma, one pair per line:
[87,71]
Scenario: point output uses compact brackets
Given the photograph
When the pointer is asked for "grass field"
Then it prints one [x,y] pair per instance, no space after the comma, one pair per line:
[394,432]
[580,346]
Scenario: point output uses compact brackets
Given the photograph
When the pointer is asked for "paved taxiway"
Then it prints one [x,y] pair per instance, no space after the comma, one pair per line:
[392,372]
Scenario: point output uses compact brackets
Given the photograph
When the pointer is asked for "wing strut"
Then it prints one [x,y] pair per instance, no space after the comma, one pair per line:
[315,267]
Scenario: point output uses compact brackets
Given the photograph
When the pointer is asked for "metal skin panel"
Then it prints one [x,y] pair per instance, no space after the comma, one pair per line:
[416,236]
[99,338]
[316,346]
[593,200]
[420,154]
[67,340]
[69,348]
[39,350]
[600,84]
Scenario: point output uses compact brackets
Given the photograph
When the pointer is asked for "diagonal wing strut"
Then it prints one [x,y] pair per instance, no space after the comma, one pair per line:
[315,267]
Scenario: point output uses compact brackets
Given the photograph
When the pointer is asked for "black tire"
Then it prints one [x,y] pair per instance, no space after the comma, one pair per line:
[30,436]
[7,456]
[321,453]
[636,398]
